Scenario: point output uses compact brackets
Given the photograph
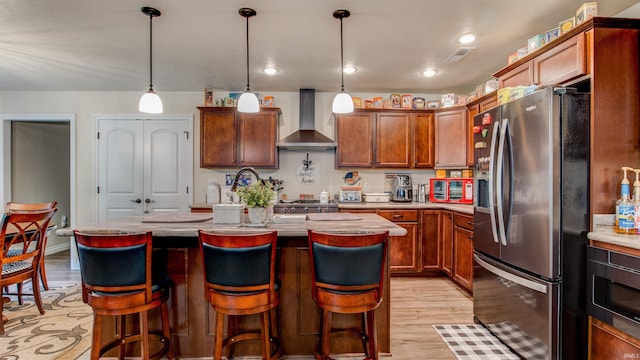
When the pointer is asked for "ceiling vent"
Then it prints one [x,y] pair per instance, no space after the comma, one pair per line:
[459,54]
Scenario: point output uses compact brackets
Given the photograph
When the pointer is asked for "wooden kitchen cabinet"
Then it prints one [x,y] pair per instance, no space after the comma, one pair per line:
[393,140]
[423,140]
[451,137]
[519,76]
[462,272]
[232,139]
[608,342]
[385,138]
[564,62]
[354,136]
[599,56]
[404,251]
[446,242]
[430,229]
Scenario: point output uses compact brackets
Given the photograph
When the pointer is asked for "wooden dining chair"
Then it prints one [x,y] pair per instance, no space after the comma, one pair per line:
[240,279]
[25,207]
[347,277]
[27,233]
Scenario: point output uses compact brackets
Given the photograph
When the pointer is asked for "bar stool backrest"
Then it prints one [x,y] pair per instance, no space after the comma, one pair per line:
[348,261]
[239,262]
[113,263]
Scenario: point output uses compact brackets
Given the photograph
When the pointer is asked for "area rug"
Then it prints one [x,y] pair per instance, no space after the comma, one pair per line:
[63,332]
[473,342]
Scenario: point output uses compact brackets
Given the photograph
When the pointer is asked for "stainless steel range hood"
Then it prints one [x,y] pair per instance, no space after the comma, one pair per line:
[307,138]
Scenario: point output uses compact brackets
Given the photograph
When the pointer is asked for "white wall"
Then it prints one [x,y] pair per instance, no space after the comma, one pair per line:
[87,104]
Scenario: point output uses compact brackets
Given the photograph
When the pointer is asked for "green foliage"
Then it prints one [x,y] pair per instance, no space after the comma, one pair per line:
[257,194]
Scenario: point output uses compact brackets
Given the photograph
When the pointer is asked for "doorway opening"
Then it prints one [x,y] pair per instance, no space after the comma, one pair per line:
[38,162]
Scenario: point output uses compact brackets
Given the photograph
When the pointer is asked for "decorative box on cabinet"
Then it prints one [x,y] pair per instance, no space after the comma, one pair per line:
[451,137]
[232,139]
[463,250]
[404,251]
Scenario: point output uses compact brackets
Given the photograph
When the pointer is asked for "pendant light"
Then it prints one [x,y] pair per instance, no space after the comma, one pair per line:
[150,101]
[342,103]
[248,101]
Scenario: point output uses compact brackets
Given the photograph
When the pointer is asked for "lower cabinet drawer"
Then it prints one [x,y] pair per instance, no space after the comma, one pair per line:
[399,215]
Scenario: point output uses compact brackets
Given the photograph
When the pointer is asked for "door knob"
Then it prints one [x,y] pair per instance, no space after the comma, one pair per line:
[149,201]
[137,201]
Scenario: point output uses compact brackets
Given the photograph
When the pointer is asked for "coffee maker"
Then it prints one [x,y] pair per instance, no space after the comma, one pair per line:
[402,188]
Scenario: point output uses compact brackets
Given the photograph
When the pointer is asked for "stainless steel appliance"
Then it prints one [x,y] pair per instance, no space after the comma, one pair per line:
[613,285]
[304,206]
[530,223]
[402,188]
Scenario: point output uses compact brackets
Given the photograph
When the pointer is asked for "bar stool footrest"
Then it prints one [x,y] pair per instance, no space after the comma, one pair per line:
[234,339]
[137,338]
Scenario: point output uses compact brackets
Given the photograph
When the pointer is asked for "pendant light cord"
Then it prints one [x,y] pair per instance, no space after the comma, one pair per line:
[150,52]
[248,88]
[341,58]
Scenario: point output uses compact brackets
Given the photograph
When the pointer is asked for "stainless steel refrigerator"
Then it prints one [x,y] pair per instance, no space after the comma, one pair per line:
[530,223]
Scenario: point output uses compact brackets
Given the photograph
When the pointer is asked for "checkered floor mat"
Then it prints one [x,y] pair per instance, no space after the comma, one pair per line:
[473,342]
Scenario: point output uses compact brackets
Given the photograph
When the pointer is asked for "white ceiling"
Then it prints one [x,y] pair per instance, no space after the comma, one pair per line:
[83,45]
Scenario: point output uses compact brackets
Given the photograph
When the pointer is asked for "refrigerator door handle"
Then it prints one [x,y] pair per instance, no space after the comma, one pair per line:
[499,183]
[511,277]
[492,188]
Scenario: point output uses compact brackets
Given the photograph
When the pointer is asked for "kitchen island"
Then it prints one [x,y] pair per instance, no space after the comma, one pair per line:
[176,252]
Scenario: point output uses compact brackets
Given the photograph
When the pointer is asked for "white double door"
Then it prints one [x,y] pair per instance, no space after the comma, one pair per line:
[144,166]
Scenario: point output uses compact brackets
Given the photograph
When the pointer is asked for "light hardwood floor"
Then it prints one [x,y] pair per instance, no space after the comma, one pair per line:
[416,305]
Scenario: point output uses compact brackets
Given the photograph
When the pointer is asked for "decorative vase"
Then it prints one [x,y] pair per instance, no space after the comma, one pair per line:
[257,215]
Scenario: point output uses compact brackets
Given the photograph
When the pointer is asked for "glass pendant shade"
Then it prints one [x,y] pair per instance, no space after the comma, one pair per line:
[150,103]
[248,102]
[342,103]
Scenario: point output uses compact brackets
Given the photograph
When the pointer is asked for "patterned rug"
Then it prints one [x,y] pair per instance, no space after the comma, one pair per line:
[63,332]
[473,342]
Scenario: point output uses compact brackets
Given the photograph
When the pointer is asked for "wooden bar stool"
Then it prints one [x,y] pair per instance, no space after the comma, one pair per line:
[347,276]
[117,280]
[240,279]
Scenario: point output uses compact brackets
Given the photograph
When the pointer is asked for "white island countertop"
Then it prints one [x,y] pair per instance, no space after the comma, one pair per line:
[188,224]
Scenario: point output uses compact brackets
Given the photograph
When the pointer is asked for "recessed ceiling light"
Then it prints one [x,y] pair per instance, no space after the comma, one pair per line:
[270,70]
[349,69]
[429,72]
[467,39]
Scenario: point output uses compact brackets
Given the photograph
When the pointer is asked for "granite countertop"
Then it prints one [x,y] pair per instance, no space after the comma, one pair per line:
[188,224]
[603,231]
[465,209]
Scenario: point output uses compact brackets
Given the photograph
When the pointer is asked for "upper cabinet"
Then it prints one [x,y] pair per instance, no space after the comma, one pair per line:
[600,56]
[354,135]
[451,136]
[380,138]
[232,139]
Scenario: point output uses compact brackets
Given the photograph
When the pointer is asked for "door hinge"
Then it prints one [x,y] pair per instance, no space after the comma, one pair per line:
[187,134]
[98,189]
[98,135]
[187,189]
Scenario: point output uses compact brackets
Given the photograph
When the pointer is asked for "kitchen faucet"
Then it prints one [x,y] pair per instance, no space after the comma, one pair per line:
[234,186]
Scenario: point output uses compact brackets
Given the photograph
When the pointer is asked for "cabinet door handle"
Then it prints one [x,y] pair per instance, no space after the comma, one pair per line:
[397,216]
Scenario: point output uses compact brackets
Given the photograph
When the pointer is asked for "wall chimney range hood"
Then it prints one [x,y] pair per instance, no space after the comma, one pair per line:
[307,138]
